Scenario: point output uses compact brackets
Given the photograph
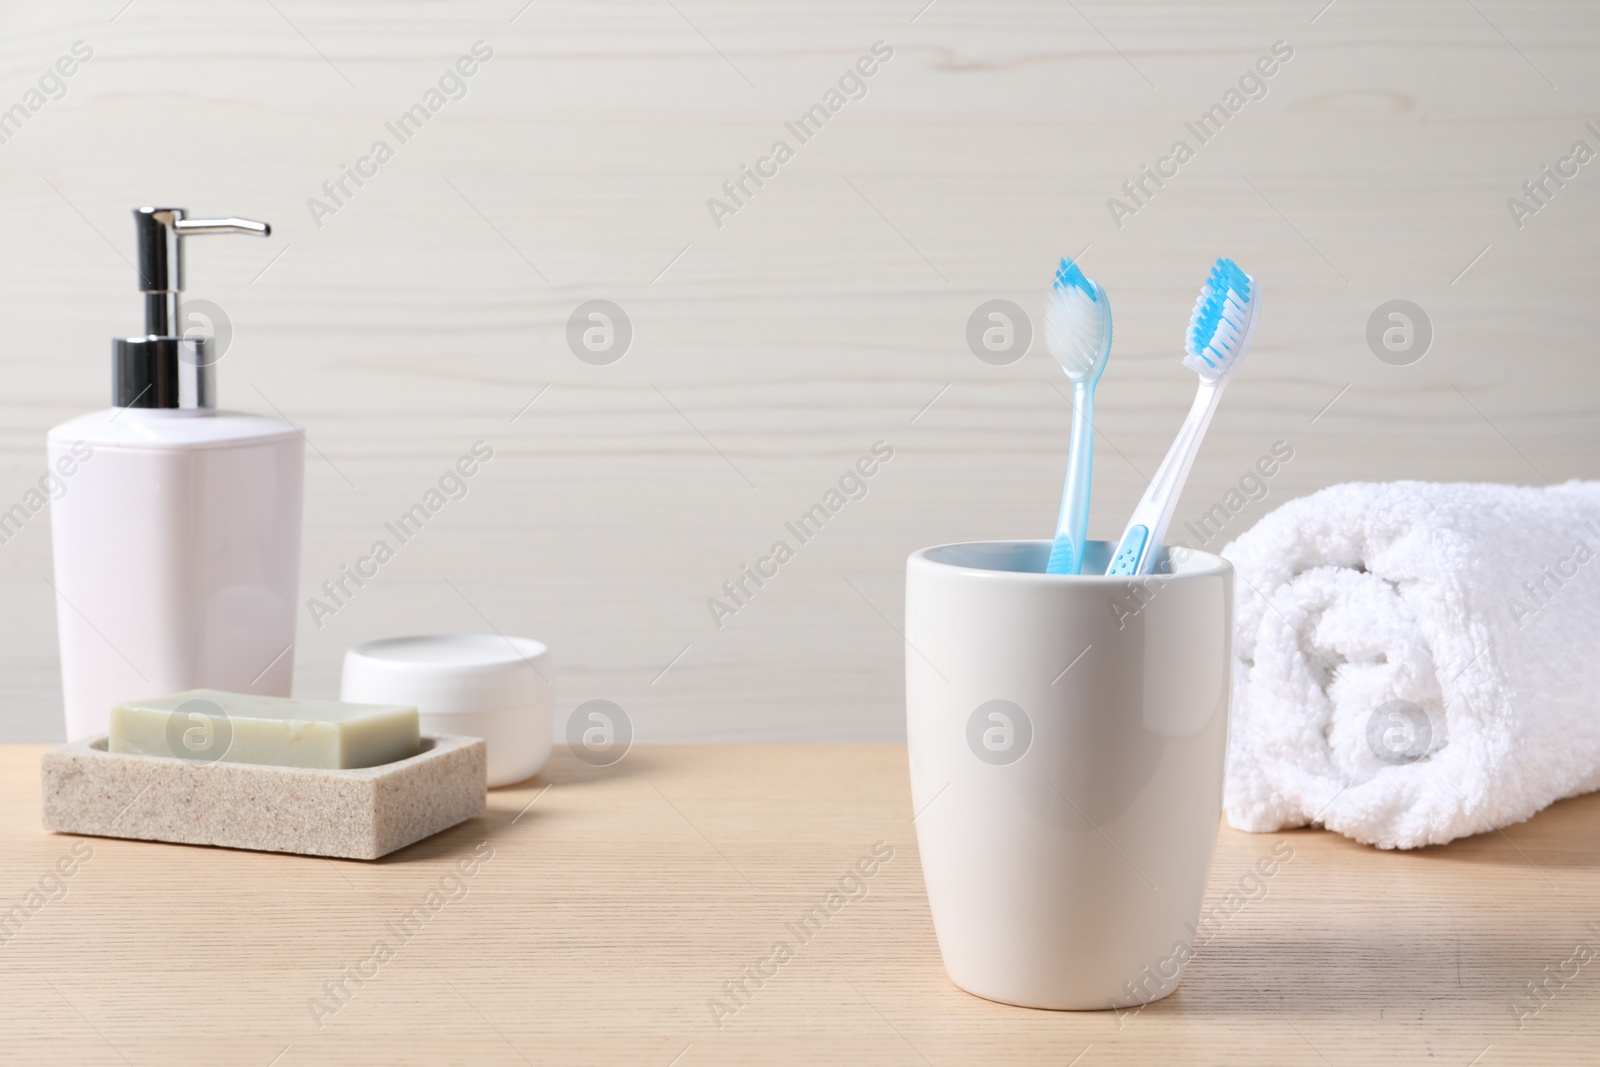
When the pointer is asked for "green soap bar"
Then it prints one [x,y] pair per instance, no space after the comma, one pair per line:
[209,726]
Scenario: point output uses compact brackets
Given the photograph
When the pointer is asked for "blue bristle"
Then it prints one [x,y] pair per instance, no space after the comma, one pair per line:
[1068,275]
[1225,275]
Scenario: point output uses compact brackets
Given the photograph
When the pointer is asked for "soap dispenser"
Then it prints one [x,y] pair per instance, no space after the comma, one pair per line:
[176,532]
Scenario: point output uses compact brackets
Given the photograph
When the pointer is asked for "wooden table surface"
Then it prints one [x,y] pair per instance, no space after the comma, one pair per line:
[601,911]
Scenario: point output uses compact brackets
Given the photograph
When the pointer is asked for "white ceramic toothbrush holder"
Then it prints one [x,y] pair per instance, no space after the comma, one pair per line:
[474,685]
[1067,737]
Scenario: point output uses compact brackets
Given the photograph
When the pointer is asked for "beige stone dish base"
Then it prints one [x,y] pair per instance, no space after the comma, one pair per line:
[351,814]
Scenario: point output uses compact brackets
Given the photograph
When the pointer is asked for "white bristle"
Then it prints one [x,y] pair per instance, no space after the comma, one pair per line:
[1075,329]
[1211,359]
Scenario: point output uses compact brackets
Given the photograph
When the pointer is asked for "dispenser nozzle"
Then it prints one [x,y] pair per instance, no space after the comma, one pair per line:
[250,226]
[159,233]
[161,369]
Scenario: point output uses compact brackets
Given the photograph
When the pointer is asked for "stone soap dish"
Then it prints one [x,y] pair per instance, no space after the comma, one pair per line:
[351,814]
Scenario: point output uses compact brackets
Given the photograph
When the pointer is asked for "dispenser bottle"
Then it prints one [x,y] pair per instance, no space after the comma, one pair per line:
[177,535]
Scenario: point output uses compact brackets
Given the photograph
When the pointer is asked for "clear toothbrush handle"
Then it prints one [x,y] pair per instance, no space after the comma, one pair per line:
[1141,542]
[1072,526]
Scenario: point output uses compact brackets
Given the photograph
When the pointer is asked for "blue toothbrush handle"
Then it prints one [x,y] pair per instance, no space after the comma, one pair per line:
[1130,552]
[1072,526]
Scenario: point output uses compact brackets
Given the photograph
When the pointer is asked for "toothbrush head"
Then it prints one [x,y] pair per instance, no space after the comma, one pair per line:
[1223,323]
[1077,324]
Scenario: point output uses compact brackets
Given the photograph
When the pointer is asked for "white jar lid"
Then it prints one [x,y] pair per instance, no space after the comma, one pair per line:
[449,673]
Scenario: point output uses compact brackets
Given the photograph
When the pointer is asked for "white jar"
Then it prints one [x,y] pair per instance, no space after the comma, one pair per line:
[476,685]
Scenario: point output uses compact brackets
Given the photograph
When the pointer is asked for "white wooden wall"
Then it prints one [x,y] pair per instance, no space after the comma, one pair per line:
[827,314]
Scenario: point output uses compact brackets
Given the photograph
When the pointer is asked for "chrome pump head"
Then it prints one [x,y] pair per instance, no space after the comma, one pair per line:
[162,369]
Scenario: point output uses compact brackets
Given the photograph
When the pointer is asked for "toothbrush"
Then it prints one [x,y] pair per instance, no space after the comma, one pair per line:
[1220,332]
[1077,328]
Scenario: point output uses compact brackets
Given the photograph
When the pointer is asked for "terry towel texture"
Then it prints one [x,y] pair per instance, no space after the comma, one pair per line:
[1416,662]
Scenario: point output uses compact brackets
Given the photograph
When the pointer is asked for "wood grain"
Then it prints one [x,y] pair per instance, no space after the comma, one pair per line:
[608,907]
[825,315]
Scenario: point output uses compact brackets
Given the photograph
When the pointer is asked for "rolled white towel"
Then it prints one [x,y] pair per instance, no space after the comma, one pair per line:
[1416,661]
